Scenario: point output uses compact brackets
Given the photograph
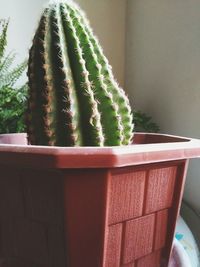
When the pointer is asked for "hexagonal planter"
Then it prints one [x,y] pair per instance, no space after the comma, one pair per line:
[94,207]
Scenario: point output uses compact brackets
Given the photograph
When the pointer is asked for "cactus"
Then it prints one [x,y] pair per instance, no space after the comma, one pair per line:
[73,97]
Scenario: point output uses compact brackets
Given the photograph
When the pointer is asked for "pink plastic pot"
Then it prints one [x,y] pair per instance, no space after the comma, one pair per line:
[14,139]
[92,207]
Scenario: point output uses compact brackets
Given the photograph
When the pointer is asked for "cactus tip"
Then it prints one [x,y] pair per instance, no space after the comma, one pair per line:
[55,2]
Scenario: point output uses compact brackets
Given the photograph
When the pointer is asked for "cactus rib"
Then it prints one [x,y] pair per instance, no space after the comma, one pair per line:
[69,119]
[118,93]
[93,131]
[108,108]
[36,132]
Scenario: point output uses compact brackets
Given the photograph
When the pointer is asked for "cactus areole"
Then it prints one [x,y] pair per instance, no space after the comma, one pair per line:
[73,97]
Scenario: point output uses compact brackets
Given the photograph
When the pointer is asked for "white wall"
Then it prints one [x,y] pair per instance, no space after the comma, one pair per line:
[163,69]
[24,16]
[107,18]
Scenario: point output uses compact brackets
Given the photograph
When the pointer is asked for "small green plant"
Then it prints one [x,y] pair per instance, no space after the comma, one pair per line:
[144,123]
[74,99]
[12,97]
[12,108]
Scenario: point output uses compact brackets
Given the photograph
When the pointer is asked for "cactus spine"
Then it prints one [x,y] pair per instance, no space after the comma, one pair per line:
[73,97]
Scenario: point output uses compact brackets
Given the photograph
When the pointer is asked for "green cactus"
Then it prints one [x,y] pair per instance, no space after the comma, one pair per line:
[73,97]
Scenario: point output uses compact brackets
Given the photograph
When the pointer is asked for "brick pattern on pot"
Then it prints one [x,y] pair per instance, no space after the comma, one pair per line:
[151,260]
[149,195]
[127,193]
[135,234]
[160,184]
[161,229]
[31,216]
[114,241]
[31,223]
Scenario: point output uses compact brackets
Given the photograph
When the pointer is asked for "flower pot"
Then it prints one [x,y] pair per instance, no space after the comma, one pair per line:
[92,207]
[13,139]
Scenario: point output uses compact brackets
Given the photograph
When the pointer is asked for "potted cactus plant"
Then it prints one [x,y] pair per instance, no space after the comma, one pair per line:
[82,193]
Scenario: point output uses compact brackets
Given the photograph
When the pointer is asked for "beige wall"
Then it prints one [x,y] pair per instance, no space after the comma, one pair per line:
[163,69]
[107,18]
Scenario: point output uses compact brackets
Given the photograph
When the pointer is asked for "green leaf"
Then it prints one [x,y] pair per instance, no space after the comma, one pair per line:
[3,36]
[144,123]
[12,98]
